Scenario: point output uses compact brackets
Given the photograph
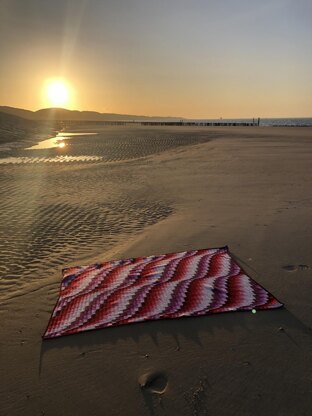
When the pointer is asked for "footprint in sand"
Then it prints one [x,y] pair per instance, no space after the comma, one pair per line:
[293,268]
[290,268]
[303,267]
[153,382]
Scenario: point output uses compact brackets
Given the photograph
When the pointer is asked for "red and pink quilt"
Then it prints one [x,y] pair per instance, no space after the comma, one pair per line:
[190,283]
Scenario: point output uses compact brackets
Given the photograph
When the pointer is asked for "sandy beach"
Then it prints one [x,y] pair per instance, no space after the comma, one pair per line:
[155,190]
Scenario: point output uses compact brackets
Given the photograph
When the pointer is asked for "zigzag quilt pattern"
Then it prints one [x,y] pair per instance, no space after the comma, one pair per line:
[189,283]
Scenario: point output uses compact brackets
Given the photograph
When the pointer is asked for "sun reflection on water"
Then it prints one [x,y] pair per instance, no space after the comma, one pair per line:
[57,140]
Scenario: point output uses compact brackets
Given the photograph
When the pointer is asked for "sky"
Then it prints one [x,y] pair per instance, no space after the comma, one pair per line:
[188,58]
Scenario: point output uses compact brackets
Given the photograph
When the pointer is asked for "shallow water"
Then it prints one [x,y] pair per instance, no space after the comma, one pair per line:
[56,141]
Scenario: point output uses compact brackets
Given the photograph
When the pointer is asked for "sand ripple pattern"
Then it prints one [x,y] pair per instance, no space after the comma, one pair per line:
[156,287]
[57,159]
[52,214]
[45,236]
[109,146]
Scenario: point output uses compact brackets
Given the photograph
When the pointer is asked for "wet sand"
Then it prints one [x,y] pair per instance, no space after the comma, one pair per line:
[159,190]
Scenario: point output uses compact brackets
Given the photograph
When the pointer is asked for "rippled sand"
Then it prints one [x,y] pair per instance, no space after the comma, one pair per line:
[20,160]
[52,214]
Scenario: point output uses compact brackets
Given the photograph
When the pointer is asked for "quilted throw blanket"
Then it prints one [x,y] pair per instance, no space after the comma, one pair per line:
[190,283]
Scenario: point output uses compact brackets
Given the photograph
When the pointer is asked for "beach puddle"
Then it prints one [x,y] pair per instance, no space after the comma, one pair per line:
[57,141]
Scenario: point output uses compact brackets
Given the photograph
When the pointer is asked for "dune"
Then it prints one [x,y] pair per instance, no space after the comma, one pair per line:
[16,132]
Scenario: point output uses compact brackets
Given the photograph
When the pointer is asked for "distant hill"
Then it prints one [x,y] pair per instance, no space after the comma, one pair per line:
[9,121]
[14,128]
[17,112]
[63,114]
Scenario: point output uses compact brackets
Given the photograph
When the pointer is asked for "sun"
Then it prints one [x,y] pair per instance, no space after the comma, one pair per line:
[57,92]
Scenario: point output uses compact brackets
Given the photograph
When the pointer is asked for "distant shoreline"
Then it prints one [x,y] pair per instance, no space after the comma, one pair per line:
[64,115]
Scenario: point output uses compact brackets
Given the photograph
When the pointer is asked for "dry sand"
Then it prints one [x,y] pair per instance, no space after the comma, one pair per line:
[249,188]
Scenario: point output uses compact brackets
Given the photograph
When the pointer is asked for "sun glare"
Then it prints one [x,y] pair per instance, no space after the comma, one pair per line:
[57,93]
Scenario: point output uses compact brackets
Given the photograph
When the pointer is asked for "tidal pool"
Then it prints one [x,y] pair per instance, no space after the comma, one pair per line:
[57,141]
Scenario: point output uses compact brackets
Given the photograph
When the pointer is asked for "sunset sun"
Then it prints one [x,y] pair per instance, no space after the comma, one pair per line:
[57,93]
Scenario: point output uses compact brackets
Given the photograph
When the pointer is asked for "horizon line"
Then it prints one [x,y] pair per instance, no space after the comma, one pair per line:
[157,116]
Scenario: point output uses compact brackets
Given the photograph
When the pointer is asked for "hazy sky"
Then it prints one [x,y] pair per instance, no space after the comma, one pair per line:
[192,58]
